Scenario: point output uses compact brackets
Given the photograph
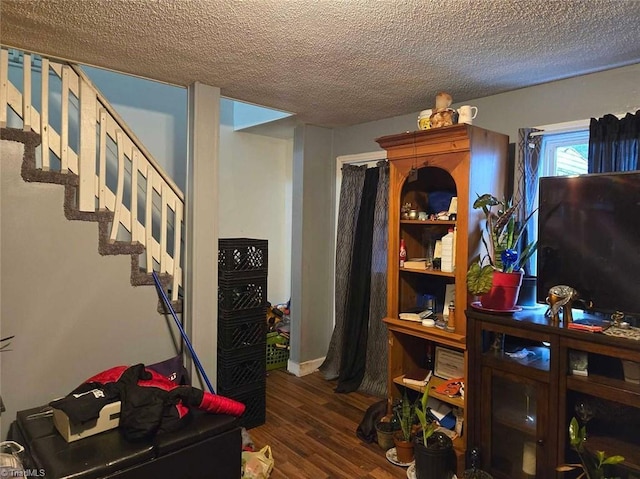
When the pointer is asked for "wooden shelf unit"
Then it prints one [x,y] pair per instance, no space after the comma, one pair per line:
[428,222]
[463,158]
[555,407]
[435,272]
[454,340]
[434,382]
[466,161]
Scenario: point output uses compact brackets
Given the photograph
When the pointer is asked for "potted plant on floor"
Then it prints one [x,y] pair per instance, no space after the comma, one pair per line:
[433,450]
[497,275]
[403,439]
[385,429]
[592,467]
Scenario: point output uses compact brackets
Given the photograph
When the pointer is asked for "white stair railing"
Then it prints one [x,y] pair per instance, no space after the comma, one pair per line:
[115,171]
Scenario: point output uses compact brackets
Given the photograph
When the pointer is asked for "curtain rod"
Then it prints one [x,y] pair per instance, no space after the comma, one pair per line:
[567,126]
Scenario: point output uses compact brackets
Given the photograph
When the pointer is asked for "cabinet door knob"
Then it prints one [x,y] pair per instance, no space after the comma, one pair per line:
[540,442]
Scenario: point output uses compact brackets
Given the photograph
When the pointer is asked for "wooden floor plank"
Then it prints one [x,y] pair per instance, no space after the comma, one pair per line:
[312,431]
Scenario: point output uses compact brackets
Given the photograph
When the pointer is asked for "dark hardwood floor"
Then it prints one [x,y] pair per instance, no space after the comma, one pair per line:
[312,431]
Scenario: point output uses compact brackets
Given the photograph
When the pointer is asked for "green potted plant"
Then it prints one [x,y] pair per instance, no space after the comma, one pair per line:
[433,450]
[403,439]
[497,275]
[592,467]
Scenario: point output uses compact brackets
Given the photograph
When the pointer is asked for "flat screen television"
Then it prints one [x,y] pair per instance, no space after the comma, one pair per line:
[589,239]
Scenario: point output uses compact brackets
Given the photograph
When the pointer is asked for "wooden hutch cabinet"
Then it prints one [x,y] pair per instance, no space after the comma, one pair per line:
[522,406]
[466,161]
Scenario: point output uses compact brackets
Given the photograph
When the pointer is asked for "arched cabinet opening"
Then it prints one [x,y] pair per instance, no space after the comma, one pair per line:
[427,215]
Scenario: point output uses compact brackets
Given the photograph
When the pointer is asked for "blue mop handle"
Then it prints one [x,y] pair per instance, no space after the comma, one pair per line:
[183,333]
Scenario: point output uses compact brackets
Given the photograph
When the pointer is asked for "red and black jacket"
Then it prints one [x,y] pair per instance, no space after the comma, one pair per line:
[150,403]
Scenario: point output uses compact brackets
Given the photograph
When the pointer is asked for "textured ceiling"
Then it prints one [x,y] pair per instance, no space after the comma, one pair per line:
[334,62]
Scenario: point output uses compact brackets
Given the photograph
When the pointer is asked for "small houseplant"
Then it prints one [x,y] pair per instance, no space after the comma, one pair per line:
[497,275]
[403,439]
[592,467]
[427,426]
[433,449]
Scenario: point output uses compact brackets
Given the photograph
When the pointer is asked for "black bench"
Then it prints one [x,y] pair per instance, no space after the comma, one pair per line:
[209,446]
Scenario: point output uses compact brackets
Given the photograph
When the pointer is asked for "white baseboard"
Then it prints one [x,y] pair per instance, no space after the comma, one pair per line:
[307,367]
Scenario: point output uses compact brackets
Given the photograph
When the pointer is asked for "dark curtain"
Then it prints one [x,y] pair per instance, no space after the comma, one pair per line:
[356,327]
[375,375]
[614,143]
[350,197]
[527,176]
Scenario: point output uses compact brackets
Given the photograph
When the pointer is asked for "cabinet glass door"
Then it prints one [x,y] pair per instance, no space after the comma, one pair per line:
[513,424]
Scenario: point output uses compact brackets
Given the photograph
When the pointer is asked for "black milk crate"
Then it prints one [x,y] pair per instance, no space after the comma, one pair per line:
[237,294]
[242,367]
[255,401]
[241,331]
[242,255]
[245,314]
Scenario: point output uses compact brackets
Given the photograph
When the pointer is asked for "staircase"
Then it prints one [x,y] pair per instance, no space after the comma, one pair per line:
[73,137]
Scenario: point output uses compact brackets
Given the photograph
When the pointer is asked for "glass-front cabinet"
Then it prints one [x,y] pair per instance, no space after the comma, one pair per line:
[531,378]
[514,406]
[515,429]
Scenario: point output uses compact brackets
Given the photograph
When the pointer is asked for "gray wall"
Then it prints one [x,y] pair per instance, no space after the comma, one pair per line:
[156,113]
[312,243]
[254,184]
[593,95]
[73,312]
[254,191]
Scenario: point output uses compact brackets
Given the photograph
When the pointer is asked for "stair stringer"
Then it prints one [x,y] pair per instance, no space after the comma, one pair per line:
[30,173]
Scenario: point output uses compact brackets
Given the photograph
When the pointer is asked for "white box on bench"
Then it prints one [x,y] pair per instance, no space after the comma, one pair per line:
[109,419]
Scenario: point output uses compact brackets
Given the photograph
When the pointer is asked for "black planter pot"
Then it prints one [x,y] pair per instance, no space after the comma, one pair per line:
[437,460]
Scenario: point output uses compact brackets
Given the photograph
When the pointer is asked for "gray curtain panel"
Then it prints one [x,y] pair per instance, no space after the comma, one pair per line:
[375,376]
[527,175]
[350,197]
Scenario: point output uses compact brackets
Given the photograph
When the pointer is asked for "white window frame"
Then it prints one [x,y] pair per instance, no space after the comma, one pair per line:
[551,142]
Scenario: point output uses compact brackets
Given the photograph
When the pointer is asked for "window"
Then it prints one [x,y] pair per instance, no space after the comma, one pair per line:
[562,154]
[565,153]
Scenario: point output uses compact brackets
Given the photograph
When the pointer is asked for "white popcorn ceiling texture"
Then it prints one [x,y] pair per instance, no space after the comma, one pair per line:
[335,62]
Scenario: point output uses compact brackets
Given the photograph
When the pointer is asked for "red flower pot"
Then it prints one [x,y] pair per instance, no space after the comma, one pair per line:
[504,291]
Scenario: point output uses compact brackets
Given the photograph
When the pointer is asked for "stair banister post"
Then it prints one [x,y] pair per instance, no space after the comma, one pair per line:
[87,157]
[4,86]
[26,92]
[44,114]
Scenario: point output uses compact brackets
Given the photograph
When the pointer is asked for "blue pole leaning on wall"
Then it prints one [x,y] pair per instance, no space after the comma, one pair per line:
[183,333]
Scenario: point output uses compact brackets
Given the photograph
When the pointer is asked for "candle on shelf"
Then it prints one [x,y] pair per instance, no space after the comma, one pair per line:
[529,458]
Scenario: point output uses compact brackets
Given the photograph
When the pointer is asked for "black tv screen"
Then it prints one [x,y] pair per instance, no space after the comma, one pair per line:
[589,239]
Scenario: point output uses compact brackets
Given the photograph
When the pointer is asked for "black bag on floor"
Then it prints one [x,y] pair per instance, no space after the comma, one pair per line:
[367,428]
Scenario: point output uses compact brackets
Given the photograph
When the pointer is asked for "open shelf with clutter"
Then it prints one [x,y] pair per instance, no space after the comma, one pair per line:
[433,179]
[434,383]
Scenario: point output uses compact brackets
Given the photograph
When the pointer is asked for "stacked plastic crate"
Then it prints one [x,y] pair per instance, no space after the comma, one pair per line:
[242,299]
